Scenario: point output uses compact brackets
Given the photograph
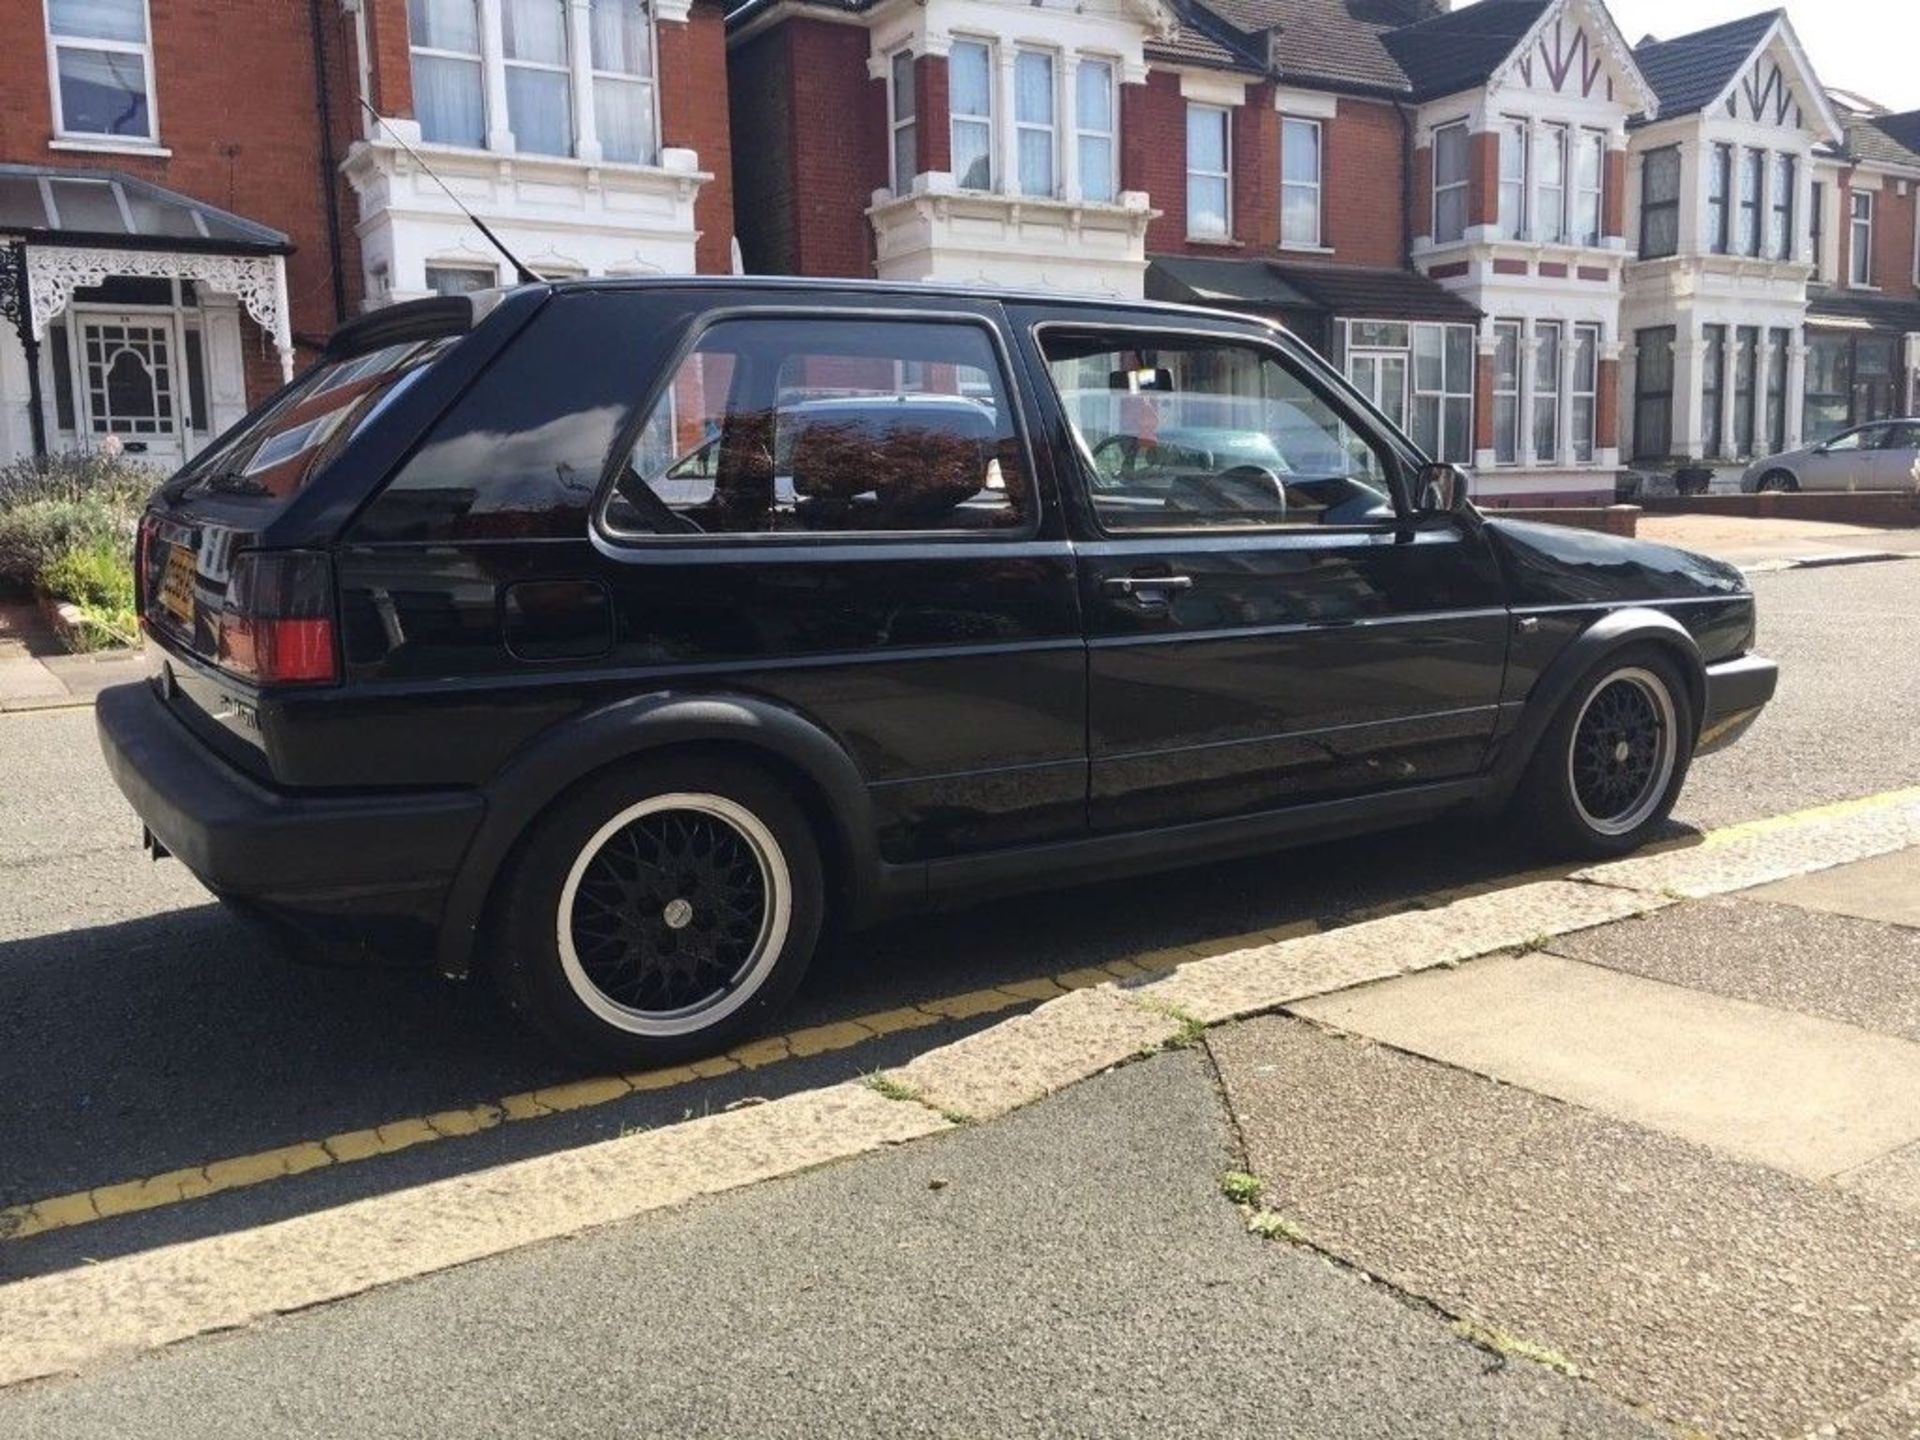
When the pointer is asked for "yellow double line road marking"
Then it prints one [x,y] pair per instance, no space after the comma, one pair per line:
[129,1197]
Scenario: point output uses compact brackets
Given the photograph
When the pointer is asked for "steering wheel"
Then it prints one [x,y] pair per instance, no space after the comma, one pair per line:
[1126,447]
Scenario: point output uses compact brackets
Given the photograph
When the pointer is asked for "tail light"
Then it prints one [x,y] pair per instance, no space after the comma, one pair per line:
[142,558]
[276,627]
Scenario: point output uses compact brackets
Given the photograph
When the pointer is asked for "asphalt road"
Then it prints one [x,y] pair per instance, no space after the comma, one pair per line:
[142,1030]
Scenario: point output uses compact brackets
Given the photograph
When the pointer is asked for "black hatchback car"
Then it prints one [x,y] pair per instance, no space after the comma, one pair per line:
[614,635]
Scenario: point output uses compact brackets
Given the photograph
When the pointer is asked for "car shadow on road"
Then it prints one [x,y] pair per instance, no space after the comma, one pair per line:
[182,1038]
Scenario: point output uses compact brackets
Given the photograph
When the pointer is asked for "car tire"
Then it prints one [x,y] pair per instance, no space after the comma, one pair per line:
[1606,774]
[1781,481]
[660,910]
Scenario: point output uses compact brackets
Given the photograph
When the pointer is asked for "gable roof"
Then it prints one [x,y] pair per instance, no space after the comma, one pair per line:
[1461,49]
[1886,139]
[1326,42]
[1690,72]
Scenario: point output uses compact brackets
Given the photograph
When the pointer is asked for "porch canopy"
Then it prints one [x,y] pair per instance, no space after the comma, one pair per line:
[65,229]
[1306,298]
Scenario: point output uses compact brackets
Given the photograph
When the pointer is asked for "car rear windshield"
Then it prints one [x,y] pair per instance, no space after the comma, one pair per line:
[283,447]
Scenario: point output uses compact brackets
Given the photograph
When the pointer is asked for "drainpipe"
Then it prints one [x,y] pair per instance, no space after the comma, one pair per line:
[329,170]
[1406,183]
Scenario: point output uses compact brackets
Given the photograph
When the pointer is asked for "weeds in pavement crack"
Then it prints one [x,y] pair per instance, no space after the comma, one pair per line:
[1240,1187]
[1496,1341]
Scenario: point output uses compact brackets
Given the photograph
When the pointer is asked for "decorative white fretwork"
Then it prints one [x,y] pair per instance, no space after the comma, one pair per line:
[54,272]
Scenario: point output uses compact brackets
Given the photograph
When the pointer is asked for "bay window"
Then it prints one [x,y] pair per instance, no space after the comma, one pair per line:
[903,119]
[1513,178]
[102,53]
[1300,162]
[1550,183]
[1860,234]
[1545,383]
[1506,392]
[1584,390]
[622,62]
[1746,375]
[1777,390]
[1209,185]
[1653,394]
[970,106]
[1095,128]
[1443,357]
[1450,146]
[448,87]
[1780,226]
[533,42]
[1033,111]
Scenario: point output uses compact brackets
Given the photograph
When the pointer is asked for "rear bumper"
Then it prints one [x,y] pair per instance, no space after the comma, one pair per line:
[343,868]
[1737,690]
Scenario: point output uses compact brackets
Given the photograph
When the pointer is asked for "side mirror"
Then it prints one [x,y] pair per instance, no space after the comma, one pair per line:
[1441,490]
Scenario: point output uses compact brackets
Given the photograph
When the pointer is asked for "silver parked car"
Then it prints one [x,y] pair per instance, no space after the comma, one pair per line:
[1880,456]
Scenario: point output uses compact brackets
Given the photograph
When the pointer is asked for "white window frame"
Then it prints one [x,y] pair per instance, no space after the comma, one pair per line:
[990,120]
[1082,134]
[1517,393]
[566,69]
[1462,185]
[1225,175]
[465,267]
[1720,170]
[1443,396]
[1315,185]
[1750,174]
[1582,439]
[1859,257]
[649,83]
[1558,136]
[476,58]
[1782,194]
[55,43]
[896,122]
[1516,139]
[1050,128]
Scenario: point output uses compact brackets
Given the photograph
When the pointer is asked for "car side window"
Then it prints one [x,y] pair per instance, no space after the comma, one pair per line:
[1866,439]
[808,425]
[1187,432]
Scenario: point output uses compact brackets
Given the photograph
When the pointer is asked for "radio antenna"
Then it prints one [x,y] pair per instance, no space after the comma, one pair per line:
[520,272]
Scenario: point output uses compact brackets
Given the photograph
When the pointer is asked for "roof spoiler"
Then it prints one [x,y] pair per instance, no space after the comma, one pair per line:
[429,319]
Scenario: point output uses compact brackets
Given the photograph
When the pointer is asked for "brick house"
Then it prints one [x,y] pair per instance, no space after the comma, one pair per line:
[192,197]
[1863,308]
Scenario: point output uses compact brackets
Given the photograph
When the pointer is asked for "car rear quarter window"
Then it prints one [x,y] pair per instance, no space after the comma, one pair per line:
[287,445]
[854,426]
[519,455]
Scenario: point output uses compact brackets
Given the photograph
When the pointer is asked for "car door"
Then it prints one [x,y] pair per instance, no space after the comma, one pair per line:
[1261,632]
[1844,462]
[1893,458]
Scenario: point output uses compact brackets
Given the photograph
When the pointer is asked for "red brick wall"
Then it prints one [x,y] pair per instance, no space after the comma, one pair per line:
[1606,414]
[389,62]
[1256,170]
[1153,122]
[1422,199]
[933,134]
[1483,178]
[1893,239]
[1613,195]
[235,98]
[813,145]
[693,114]
[1362,205]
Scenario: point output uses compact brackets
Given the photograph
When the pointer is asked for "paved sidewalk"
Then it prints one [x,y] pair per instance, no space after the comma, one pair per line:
[1668,1150]
[35,674]
[1777,544]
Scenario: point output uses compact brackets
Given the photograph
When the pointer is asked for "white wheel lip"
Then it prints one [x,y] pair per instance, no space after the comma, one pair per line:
[775,875]
[1655,689]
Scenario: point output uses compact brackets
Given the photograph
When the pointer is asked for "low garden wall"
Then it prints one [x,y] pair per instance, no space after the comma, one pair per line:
[1882,509]
[1609,519]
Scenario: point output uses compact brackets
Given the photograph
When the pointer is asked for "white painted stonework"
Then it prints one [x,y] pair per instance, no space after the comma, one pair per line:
[940,233]
[560,216]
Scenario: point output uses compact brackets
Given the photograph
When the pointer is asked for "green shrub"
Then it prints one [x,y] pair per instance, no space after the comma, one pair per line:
[78,477]
[34,535]
[99,572]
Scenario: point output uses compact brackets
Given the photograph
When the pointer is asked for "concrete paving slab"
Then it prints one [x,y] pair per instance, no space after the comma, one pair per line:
[1806,1095]
[24,681]
[1889,1180]
[1727,1297]
[1070,1271]
[1853,971]
[1886,888]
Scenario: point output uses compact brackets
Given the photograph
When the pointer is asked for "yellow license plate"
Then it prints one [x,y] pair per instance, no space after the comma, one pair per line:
[176,584]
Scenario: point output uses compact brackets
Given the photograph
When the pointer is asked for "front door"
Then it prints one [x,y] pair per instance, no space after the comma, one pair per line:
[1264,627]
[129,383]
